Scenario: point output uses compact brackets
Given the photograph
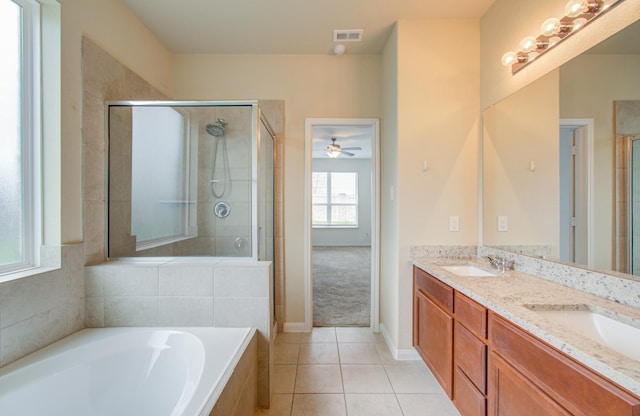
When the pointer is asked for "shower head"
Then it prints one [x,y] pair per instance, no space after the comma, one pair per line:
[216,129]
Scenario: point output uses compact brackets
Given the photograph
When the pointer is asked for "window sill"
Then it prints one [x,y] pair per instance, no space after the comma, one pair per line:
[328,227]
[30,272]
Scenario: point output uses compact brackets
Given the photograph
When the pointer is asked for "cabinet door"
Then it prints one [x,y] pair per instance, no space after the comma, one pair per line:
[510,393]
[433,339]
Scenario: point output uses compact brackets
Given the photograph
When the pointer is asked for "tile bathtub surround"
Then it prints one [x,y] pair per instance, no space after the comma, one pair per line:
[186,292]
[38,310]
[349,371]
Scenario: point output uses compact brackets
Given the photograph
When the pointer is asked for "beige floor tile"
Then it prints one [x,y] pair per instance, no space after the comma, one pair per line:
[284,378]
[317,353]
[358,353]
[358,378]
[354,334]
[320,334]
[373,405]
[384,353]
[280,406]
[288,338]
[378,337]
[318,405]
[321,378]
[426,404]
[412,378]
[286,353]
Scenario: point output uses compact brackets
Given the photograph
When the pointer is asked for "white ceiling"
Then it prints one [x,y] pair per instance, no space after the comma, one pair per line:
[286,26]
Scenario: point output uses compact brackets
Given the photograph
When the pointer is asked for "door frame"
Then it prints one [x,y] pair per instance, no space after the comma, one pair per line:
[374,123]
[586,125]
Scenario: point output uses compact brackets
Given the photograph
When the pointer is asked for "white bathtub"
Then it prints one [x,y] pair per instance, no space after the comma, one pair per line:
[125,371]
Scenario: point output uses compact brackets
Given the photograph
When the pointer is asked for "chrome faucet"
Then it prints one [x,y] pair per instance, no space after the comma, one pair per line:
[500,263]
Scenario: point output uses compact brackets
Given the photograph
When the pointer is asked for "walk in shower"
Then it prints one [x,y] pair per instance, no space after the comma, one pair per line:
[190,179]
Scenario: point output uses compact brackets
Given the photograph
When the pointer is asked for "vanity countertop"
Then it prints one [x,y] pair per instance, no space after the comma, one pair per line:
[508,293]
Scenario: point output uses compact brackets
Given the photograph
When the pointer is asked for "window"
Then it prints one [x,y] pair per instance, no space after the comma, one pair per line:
[159,177]
[335,199]
[19,134]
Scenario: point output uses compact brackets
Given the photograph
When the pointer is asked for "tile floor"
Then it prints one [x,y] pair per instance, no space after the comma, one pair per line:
[350,371]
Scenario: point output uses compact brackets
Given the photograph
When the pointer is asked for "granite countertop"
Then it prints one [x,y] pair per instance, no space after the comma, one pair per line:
[508,293]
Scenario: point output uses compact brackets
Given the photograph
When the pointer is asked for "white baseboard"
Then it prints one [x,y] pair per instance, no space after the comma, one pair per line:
[398,354]
[295,327]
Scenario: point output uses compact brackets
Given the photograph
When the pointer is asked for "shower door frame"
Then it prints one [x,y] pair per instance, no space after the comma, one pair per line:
[255,127]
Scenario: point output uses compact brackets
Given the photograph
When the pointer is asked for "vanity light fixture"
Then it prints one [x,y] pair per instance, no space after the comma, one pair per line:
[578,13]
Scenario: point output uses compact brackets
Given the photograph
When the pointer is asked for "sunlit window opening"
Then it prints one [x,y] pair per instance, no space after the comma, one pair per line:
[15,137]
[335,199]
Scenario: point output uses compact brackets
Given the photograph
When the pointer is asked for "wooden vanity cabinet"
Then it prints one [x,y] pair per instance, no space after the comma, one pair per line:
[489,366]
[528,376]
[433,326]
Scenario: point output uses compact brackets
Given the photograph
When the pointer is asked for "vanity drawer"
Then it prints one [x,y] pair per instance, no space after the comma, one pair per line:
[467,399]
[471,314]
[434,288]
[471,357]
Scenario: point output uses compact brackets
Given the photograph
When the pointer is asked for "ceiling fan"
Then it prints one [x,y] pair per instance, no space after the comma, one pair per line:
[334,150]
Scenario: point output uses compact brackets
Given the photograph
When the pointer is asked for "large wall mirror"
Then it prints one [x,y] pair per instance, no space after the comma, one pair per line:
[560,161]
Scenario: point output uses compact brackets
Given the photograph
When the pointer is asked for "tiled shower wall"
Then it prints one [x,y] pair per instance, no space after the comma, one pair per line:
[43,308]
[106,79]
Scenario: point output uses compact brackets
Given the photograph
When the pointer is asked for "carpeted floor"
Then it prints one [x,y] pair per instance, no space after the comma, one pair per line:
[341,286]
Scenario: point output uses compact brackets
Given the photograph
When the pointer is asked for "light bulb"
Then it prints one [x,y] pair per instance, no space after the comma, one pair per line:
[576,7]
[528,44]
[579,22]
[554,40]
[509,58]
[550,26]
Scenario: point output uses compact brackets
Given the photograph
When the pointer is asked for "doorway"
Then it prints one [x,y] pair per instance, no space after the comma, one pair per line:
[341,222]
[576,191]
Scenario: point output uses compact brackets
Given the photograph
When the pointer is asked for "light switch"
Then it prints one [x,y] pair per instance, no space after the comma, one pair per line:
[454,223]
[502,223]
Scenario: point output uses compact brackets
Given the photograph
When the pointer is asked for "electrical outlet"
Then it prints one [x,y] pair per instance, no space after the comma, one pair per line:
[454,223]
[502,223]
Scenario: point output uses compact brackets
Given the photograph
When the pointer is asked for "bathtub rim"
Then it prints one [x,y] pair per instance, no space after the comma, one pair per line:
[203,400]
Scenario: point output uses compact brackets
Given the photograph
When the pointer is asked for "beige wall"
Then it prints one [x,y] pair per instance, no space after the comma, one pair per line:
[437,122]
[312,86]
[389,258]
[508,21]
[113,27]
[586,93]
[522,128]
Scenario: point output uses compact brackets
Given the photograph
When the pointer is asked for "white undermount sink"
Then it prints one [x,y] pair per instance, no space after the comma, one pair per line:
[618,336]
[467,270]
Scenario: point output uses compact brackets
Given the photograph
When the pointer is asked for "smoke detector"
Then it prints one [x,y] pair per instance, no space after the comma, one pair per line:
[347,35]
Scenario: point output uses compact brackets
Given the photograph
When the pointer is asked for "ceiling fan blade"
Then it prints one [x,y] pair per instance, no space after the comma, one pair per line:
[352,148]
[347,153]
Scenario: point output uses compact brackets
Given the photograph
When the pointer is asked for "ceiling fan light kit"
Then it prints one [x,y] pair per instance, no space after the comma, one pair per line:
[334,150]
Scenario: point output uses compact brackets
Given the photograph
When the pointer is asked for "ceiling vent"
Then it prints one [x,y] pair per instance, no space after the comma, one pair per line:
[352,35]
